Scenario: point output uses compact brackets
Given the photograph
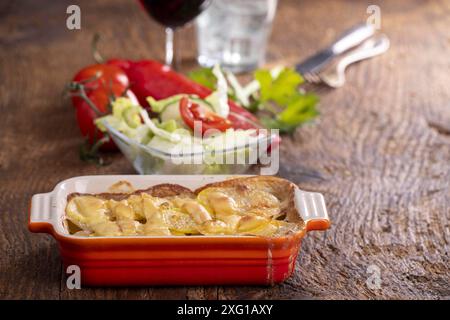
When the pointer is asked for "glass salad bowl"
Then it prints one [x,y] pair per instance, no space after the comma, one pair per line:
[236,159]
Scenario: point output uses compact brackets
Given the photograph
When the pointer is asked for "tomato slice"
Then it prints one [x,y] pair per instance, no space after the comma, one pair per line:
[191,112]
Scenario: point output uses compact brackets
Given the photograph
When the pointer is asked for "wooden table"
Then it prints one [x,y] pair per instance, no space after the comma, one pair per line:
[380,153]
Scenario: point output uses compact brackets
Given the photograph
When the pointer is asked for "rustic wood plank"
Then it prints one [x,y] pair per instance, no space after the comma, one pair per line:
[382,165]
[380,152]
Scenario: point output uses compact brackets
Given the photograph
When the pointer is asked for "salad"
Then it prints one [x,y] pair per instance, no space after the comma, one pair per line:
[147,104]
[182,123]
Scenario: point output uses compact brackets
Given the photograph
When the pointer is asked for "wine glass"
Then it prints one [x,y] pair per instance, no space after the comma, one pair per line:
[173,14]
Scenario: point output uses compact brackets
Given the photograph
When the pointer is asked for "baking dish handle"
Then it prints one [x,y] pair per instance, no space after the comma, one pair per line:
[312,209]
[41,209]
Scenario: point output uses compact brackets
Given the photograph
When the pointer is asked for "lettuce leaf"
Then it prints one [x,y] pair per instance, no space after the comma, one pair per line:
[159,105]
[219,98]
[205,77]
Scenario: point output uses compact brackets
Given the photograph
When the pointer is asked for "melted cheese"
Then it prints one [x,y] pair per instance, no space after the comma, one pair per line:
[226,201]
[215,211]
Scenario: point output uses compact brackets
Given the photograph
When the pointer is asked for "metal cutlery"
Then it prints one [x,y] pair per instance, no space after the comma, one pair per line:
[335,76]
[346,41]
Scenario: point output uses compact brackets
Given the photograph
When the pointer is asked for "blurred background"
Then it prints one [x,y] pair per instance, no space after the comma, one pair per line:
[124,26]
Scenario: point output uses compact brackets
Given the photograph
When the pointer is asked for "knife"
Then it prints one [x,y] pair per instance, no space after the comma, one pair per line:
[346,41]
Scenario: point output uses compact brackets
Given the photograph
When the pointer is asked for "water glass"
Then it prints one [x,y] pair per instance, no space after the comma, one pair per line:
[234,33]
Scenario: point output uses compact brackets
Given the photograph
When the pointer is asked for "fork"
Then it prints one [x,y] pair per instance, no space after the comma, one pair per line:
[335,76]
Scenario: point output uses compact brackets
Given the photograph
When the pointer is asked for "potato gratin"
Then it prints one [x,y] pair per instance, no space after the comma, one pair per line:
[258,205]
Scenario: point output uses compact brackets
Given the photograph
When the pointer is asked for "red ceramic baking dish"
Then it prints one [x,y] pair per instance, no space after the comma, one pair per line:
[171,260]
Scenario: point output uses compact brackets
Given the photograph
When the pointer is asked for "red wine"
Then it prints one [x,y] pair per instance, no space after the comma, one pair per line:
[174,13]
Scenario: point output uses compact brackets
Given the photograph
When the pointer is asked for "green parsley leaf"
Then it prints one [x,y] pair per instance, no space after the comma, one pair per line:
[281,89]
[91,153]
[273,123]
[301,108]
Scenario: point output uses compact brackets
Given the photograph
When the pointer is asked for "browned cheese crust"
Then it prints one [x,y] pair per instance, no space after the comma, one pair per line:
[164,190]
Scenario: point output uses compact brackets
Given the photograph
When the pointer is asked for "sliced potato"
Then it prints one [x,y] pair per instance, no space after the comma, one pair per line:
[256,225]
[181,223]
[212,227]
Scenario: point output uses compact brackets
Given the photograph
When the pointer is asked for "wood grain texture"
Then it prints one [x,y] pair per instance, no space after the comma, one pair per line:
[380,152]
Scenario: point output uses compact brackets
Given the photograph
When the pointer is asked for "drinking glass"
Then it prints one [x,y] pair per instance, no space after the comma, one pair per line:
[234,33]
[173,14]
